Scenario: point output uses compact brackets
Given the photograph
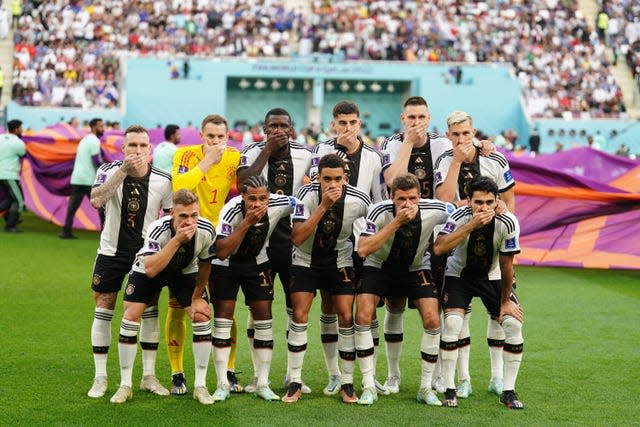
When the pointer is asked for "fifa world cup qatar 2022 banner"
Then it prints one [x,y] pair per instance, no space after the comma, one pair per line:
[578,208]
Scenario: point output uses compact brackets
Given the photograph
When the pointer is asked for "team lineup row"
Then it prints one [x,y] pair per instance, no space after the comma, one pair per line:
[324,235]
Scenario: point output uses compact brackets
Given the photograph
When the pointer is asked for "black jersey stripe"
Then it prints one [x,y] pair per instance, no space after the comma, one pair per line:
[508,222]
[160,172]
[252,146]
[461,213]
[108,166]
[380,210]
[231,213]
[156,233]
[305,189]
[498,158]
[353,191]
[448,153]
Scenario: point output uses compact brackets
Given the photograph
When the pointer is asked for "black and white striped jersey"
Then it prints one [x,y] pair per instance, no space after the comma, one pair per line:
[407,249]
[185,260]
[365,167]
[252,250]
[506,241]
[135,205]
[422,160]
[495,166]
[329,245]
[285,176]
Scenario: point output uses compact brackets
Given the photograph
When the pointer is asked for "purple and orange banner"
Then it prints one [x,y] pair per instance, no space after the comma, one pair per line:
[578,208]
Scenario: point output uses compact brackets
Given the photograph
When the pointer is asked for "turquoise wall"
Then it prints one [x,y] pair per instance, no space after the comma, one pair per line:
[488,92]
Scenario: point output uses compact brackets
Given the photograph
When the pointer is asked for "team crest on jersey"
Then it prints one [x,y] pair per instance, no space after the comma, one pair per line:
[299,209]
[101,178]
[183,169]
[371,227]
[154,246]
[130,288]
[315,161]
[96,279]
[508,176]
[510,243]
[292,201]
[226,229]
[449,227]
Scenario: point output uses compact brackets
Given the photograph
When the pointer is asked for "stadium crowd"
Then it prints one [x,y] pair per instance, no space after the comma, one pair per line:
[67,54]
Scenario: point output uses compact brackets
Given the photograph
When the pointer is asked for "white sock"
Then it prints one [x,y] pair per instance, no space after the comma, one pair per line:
[513,346]
[393,336]
[347,351]
[365,353]
[127,349]
[297,347]
[201,351]
[329,337]
[221,348]
[375,334]
[495,339]
[149,339]
[263,343]
[449,347]
[101,339]
[429,351]
[250,336]
[464,348]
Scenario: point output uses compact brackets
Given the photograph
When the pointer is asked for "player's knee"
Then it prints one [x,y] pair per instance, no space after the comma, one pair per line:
[300,316]
[345,319]
[364,316]
[494,330]
[431,320]
[512,329]
[452,326]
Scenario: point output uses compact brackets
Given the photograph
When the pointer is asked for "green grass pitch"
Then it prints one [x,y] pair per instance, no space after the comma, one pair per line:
[580,363]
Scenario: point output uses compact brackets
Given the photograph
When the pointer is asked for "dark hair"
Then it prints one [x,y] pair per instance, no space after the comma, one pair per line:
[169,130]
[277,112]
[135,129]
[13,125]
[331,161]
[482,183]
[94,122]
[254,181]
[415,100]
[404,182]
[345,107]
[214,119]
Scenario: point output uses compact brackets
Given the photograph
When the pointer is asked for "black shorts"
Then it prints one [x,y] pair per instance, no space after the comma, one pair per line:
[109,272]
[142,288]
[255,281]
[338,281]
[389,284]
[458,293]
[280,260]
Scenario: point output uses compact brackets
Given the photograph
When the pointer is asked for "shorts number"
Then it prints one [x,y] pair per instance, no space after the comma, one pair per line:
[265,279]
[423,278]
[346,278]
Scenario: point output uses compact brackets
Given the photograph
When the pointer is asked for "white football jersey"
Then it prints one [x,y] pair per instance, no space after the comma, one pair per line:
[136,203]
[366,162]
[506,235]
[408,246]
[185,260]
[253,247]
[329,245]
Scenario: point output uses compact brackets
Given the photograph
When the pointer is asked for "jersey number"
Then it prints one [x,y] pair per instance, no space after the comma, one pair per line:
[214,196]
